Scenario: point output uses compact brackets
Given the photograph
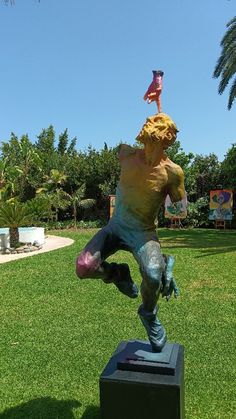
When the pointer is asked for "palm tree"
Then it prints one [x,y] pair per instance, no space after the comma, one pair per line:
[8,180]
[13,215]
[52,188]
[59,200]
[77,201]
[226,64]
[2,177]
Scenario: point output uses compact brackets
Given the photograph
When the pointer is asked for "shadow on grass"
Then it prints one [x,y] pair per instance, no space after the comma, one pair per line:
[209,242]
[92,412]
[43,408]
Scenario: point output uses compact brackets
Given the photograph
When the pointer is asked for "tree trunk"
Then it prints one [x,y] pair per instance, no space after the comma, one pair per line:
[14,236]
[75,217]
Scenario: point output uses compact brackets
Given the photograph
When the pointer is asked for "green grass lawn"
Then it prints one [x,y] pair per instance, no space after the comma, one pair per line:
[57,332]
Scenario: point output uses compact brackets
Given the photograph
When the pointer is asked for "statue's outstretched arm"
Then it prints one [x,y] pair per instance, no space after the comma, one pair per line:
[175,187]
[168,282]
[125,150]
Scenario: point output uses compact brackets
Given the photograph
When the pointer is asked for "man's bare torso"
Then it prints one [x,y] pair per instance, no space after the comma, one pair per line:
[143,186]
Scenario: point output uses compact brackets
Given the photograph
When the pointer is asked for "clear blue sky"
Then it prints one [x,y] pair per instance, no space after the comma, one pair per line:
[85,65]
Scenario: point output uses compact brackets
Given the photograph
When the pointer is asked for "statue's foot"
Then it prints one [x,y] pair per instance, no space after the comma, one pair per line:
[155,330]
[124,282]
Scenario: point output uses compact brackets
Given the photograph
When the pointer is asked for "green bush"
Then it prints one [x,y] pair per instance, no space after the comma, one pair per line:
[69,224]
[198,213]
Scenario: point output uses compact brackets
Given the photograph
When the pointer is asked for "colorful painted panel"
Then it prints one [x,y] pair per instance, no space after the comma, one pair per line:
[176,209]
[221,203]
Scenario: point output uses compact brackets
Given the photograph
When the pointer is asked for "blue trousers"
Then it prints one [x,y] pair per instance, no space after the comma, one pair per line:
[143,244]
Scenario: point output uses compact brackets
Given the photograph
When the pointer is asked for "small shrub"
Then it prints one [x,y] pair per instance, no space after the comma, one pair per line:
[67,224]
[198,213]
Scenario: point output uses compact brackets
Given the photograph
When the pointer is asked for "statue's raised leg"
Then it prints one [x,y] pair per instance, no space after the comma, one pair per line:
[91,262]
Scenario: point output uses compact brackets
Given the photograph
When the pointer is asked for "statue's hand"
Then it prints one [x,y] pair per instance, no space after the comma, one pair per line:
[167,292]
[168,282]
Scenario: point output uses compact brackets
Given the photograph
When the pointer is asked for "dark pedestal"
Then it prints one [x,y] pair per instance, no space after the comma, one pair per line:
[138,384]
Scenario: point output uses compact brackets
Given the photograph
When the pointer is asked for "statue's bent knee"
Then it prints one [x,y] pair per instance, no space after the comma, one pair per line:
[154,274]
[86,265]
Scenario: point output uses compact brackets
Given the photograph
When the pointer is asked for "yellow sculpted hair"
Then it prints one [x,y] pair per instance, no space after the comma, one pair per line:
[157,128]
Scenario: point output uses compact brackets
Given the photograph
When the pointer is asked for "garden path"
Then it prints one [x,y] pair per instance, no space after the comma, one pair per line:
[51,243]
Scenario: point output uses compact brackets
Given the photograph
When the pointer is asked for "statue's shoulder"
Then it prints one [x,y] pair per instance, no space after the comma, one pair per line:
[126,150]
[175,184]
[173,168]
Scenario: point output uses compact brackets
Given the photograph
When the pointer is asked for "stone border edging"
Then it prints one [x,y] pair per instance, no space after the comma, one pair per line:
[51,243]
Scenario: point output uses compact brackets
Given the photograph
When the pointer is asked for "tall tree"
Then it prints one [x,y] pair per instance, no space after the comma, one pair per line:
[226,64]
[77,201]
[63,142]
[47,150]
[71,149]
[228,168]
[22,167]
[206,175]
[45,143]
[52,187]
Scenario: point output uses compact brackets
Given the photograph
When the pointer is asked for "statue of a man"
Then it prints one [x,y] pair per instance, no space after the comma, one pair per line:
[147,176]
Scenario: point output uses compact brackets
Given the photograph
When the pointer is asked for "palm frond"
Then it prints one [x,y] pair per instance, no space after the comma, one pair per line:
[227,74]
[227,55]
[226,64]
[78,195]
[86,203]
[232,94]
[14,214]
[230,33]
